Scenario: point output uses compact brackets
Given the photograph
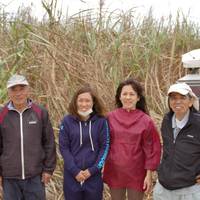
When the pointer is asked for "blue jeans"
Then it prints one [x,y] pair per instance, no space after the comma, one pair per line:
[28,189]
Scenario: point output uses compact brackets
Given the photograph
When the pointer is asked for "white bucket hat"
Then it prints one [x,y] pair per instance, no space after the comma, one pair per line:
[16,80]
[184,89]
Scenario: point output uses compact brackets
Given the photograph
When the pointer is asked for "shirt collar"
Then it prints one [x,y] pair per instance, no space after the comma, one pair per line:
[12,107]
[180,124]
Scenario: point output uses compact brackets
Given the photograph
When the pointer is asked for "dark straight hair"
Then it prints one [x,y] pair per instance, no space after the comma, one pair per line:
[137,87]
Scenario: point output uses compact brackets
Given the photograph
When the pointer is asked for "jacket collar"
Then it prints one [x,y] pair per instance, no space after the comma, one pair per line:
[10,105]
[190,119]
[180,123]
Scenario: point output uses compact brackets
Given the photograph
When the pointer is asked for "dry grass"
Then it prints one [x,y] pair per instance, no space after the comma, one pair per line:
[58,56]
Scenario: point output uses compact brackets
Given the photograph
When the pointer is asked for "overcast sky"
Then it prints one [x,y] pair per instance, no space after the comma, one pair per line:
[160,7]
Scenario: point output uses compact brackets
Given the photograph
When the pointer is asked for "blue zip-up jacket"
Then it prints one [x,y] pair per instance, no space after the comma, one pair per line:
[84,144]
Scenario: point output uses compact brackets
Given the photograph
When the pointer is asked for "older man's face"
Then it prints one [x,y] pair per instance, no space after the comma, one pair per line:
[180,104]
[18,95]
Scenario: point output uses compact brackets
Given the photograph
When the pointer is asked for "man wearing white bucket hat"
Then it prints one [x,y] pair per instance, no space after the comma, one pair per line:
[180,165]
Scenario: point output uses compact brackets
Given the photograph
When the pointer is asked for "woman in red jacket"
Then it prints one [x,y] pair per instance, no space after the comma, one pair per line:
[135,144]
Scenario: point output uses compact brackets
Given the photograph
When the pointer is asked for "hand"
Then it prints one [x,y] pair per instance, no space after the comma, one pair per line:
[198,179]
[46,177]
[86,174]
[147,182]
[80,176]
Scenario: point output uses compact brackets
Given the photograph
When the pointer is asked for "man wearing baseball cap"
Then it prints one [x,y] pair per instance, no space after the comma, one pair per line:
[179,170]
[27,146]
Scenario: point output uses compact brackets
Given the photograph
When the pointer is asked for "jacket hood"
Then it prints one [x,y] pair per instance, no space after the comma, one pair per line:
[126,118]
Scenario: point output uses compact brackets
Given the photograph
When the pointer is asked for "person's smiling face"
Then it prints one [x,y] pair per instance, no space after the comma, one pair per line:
[18,95]
[129,97]
[84,102]
[180,104]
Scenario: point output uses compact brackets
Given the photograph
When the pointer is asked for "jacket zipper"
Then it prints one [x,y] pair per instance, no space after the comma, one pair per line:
[21,141]
[22,145]
[174,140]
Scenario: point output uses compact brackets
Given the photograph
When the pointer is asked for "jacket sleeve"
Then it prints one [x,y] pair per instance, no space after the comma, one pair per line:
[104,142]
[64,146]
[151,147]
[1,150]
[48,142]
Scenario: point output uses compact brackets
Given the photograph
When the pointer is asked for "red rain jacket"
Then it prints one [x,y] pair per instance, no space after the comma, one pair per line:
[135,147]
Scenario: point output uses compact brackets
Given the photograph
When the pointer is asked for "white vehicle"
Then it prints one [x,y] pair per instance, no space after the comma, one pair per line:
[191,59]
